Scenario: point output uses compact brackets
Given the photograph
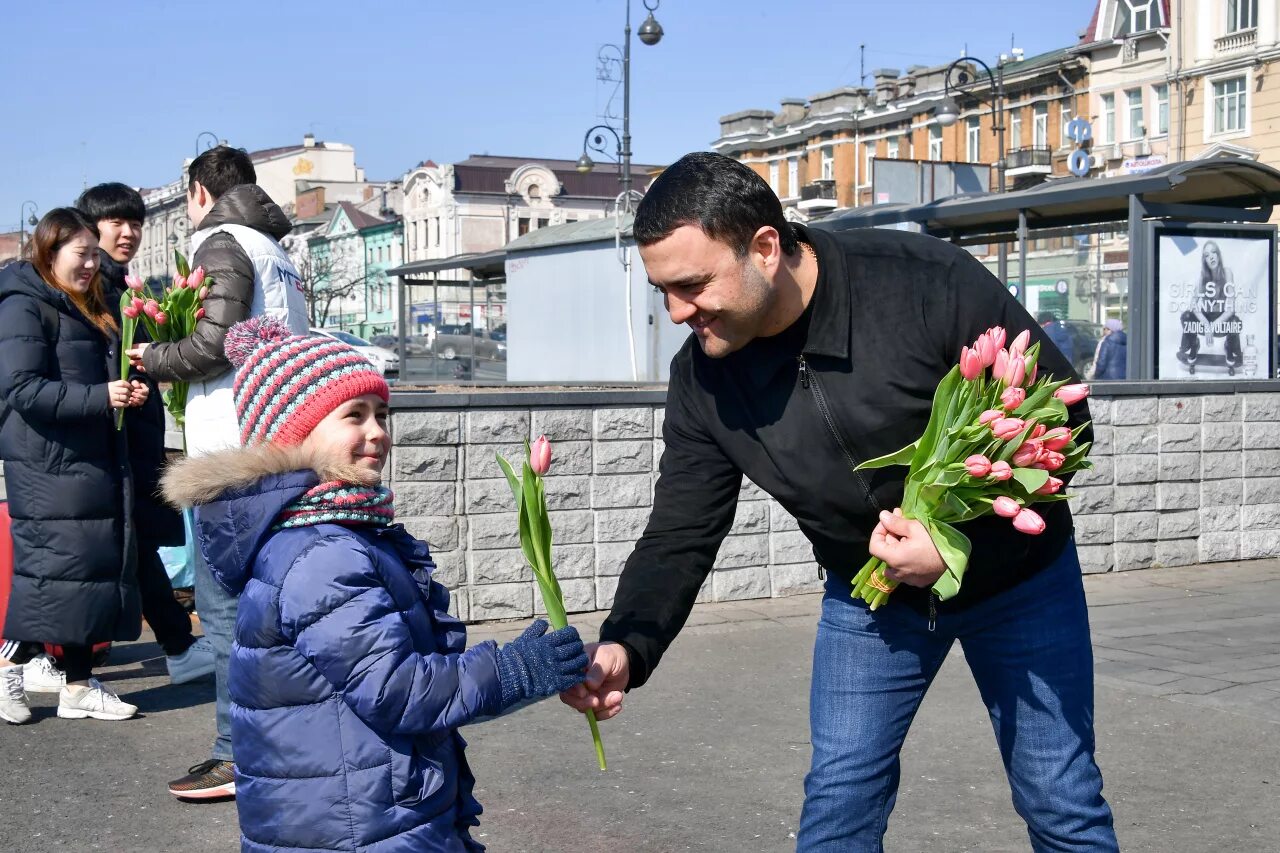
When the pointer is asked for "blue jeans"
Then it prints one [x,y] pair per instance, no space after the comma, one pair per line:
[217,609]
[1030,654]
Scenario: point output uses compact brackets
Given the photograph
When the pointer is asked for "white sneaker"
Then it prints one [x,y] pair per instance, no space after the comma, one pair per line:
[96,701]
[41,675]
[13,699]
[196,662]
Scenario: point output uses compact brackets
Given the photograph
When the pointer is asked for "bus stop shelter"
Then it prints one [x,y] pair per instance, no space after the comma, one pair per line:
[1199,192]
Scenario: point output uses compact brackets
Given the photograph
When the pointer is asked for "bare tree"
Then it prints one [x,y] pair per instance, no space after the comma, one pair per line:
[327,279]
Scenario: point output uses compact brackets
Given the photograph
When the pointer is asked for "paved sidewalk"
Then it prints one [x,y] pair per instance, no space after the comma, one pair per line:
[710,756]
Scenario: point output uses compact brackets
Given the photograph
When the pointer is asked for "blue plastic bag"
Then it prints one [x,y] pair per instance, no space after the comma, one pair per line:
[180,560]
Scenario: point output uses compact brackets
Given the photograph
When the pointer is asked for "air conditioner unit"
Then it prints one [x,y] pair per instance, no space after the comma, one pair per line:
[1097,161]
[1143,148]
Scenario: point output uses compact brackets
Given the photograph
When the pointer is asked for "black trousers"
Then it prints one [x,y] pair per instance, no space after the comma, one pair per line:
[167,618]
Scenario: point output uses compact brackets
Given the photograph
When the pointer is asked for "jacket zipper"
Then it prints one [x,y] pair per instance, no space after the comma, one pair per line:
[933,610]
[811,382]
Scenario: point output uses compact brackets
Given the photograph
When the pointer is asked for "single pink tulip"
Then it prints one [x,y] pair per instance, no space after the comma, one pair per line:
[151,308]
[978,465]
[986,349]
[1028,454]
[1012,398]
[1001,471]
[1020,344]
[1051,487]
[160,318]
[1028,521]
[1006,507]
[1072,394]
[1051,460]
[133,282]
[136,304]
[199,313]
[1057,438]
[990,415]
[204,291]
[196,278]
[1001,364]
[1038,432]
[179,282]
[130,312]
[970,364]
[1007,428]
[997,336]
[1014,372]
[540,456]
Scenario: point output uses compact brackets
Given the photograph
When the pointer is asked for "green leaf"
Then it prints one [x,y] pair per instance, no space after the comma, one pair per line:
[1030,479]
[897,457]
[528,507]
[184,269]
[954,547]
[512,480]
[938,417]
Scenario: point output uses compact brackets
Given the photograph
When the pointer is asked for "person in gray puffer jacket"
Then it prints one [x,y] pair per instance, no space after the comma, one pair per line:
[236,241]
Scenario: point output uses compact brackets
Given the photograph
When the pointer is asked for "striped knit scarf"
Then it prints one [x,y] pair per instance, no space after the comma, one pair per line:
[338,503]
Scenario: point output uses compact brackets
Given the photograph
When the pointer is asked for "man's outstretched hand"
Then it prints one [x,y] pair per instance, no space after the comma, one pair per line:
[607,678]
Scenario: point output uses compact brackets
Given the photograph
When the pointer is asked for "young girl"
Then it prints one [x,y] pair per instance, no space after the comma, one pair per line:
[348,677]
[66,467]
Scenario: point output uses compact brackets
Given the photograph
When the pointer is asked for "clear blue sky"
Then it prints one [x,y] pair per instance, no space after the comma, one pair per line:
[107,91]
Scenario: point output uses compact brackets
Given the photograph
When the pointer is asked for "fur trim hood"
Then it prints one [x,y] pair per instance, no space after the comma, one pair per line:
[202,480]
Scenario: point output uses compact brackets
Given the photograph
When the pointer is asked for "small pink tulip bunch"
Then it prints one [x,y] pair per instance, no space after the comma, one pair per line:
[167,316]
[998,441]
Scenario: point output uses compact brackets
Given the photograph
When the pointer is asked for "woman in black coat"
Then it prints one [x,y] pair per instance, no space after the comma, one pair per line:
[66,465]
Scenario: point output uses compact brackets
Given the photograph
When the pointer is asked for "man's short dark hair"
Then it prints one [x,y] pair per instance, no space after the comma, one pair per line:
[1046,317]
[724,198]
[221,168]
[112,201]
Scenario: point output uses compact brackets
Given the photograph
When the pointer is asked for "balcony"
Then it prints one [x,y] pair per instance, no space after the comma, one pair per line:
[1029,161]
[1239,40]
[818,196]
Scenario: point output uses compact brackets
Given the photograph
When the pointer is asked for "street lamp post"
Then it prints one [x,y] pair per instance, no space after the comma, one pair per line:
[960,78]
[650,33]
[201,135]
[25,219]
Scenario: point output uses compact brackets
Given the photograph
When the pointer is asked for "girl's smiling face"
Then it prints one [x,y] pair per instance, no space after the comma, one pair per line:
[354,433]
[76,262]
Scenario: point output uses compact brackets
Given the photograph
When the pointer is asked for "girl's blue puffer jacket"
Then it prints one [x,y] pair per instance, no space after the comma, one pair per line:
[348,676]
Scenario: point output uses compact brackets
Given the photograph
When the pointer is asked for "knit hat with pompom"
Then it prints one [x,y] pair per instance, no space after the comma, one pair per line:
[286,384]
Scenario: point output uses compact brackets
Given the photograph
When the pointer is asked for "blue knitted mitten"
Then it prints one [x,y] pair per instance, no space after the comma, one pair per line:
[540,664]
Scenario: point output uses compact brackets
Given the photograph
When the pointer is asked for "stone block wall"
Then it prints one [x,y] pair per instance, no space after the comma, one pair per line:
[1180,479]
[451,492]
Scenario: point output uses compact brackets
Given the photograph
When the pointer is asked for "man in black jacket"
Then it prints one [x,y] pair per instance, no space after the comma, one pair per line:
[811,351]
[119,213]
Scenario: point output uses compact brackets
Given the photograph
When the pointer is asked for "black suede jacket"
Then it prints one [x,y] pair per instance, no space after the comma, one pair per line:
[851,380]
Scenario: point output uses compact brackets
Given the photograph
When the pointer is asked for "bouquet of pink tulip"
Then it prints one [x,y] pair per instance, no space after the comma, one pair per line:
[535,541]
[995,443]
[168,316]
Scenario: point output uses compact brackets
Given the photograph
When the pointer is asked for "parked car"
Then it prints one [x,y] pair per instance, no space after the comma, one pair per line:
[454,341]
[382,358]
[413,344]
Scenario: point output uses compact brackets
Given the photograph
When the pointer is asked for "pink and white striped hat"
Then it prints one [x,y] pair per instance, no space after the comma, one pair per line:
[286,384]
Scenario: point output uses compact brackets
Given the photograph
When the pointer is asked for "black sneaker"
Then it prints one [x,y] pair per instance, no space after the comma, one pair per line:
[209,780]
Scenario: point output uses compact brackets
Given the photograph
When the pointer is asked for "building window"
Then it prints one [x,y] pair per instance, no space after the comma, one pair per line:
[522,226]
[1162,108]
[437,225]
[1065,119]
[871,157]
[1133,101]
[973,140]
[543,223]
[1136,16]
[773,176]
[1229,105]
[1015,129]
[1108,131]
[828,164]
[892,148]
[1241,15]
[793,177]
[1040,125]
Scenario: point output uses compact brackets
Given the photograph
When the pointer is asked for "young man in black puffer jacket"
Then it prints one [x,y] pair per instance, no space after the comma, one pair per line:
[118,211]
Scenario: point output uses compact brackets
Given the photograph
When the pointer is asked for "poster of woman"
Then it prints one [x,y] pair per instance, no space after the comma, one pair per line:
[1215,294]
